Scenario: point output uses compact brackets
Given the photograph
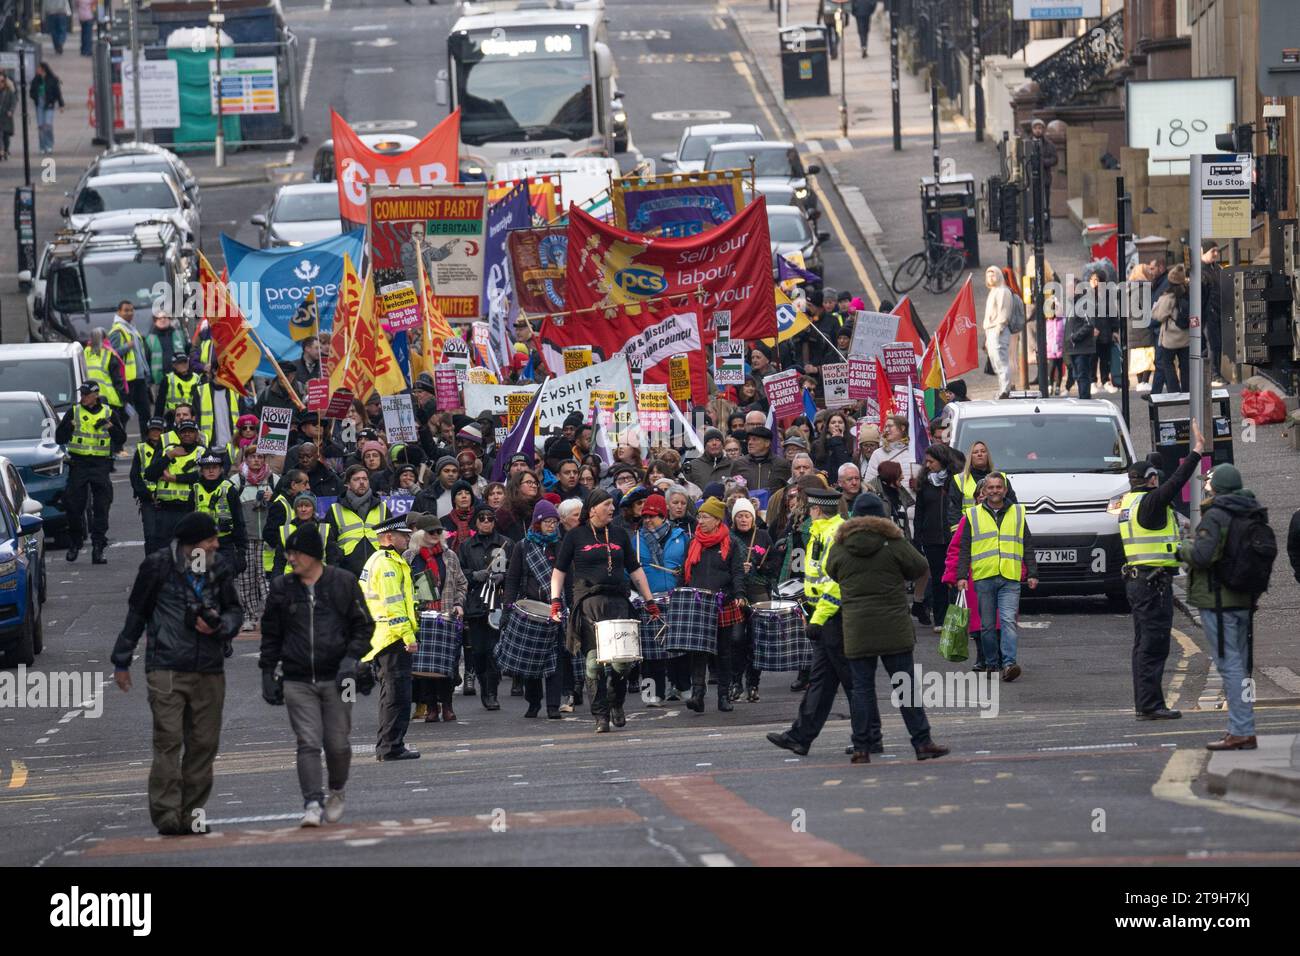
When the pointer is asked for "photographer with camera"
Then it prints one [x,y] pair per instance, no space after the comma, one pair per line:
[185,596]
[89,430]
[316,629]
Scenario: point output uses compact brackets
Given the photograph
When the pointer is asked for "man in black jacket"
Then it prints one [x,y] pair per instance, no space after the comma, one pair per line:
[316,628]
[185,596]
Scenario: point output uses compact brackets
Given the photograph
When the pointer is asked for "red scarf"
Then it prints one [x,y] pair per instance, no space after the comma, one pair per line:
[721,537]
[431,555]
[462,532]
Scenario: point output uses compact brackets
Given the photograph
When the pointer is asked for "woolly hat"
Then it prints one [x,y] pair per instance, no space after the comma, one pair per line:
[444,461]
[867,505]
[195,527]
[306,540]
[714,489]
[1225,479]
[710,434]
[743,504]
[304,496]
[471,433]
[713,508]
[544,510]
[655,506]
[372,446]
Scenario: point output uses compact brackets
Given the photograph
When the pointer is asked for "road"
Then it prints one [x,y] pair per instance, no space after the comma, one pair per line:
[1061,774]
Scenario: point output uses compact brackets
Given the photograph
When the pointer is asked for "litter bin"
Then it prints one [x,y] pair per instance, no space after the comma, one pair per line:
[805,62]
[1171,433]
[948,212]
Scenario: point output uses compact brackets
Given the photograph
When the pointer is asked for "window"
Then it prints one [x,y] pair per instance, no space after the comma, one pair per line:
[113,197]
[306,207]
[1047,443]
[20,420]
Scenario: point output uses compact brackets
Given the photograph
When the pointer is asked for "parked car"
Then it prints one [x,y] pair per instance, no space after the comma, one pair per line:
[82,276]
[55,369]
[1066,459]
[125,199]
[299,214]
[145,158]
[27,424]
[775,164]
[386,144]
[696,141]
[21,576]
[790,231]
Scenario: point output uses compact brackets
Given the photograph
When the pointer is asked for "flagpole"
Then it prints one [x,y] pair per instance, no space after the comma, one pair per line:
[279,372]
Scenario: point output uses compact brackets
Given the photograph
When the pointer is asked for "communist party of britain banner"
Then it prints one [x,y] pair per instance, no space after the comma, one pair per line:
[731,263]
[448,225]
[654,334]
[433,159]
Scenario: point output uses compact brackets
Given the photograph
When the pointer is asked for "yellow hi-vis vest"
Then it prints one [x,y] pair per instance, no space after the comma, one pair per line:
[175,490]
[144,452]
[967,485]
[1143,547]
[818,587]
[217,504]
[288,528]
[88,438]
[127,342]
[997,550]
[98,365]
[207,421]
[352,527]
[181,391]
[390,598]
[268,552]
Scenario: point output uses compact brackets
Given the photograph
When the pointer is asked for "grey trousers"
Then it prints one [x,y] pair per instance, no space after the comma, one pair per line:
[320,719]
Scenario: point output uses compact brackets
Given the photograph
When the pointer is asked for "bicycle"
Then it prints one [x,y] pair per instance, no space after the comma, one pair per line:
[938,264]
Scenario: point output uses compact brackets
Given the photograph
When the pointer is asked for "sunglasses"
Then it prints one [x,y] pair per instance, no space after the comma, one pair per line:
[248,428]
[486,519]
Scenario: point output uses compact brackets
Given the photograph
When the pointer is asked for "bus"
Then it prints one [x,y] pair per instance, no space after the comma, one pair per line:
[531,82]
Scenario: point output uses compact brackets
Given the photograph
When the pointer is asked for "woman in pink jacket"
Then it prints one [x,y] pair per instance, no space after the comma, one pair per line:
[950,578]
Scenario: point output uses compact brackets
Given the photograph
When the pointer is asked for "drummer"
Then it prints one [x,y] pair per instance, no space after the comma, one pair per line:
[754,544]
[529,578]
[439,586]
[483,557]
[715,563]
[602,560]
[661,550]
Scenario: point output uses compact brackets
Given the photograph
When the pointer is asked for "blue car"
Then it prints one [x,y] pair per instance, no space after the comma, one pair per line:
[27,423]
[21,585]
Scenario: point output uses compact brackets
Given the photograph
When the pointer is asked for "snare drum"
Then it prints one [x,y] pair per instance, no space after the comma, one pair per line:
[780,643]
[654,634]
[618,642]
[438,653]
[693,621]
[791,590]
[528,640]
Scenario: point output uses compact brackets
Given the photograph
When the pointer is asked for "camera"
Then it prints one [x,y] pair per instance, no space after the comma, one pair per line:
[202,610]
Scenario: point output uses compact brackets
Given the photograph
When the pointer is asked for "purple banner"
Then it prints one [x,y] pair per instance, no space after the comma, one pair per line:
[678,210]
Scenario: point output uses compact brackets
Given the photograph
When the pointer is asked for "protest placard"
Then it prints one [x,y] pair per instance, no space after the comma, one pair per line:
[862,378]
[399,418]
[318,394]
[784,393]
[273,433]
[899,360]
[652,408]
[339,404]
[729,361]
[871,332]
[577,357]
[679,378]
[835,384]
[446,387]
[401,307]
[516,403]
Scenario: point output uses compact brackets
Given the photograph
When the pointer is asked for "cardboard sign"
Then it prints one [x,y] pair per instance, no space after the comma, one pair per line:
[784,393]
[679,378]
[400,305]
[564,394]
[399,418]
[455,352]
[483,343]
[862,379]
[318,394]
[273,433]
[446,387]
[339,404]
[577,357]
[516,403]
[835,384]
[900,362]
[652,408]
[729,361]
[614,412]
[481,376]
[872,331]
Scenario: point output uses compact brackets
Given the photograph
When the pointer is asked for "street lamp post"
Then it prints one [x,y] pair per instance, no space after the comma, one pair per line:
[132,20]
[216,20]
[840,18]
[896,106]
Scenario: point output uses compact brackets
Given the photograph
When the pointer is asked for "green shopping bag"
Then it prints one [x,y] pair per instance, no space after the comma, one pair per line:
[956,630]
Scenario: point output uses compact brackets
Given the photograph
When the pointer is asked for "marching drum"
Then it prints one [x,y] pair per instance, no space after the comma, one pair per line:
[528,640]
[654,634]
[780,643]
[438,652]
[791,590]
[618,642]
[693,621]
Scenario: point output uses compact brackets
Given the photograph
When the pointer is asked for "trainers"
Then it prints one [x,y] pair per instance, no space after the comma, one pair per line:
[311,815]
[655,702]
[1110,389]
[1143,388]
[334,806]
[602,725]
[566,706]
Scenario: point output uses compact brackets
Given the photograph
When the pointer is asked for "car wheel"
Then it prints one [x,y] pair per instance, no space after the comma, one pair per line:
[24,652]
[44,577]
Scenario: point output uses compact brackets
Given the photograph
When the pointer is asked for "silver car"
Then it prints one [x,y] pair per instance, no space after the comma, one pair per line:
[790,231]
[696,141]
[145,158]
[299,214]
[121,200]
[775,164]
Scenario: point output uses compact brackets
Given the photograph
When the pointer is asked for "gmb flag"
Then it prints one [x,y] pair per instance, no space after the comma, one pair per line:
[275,287]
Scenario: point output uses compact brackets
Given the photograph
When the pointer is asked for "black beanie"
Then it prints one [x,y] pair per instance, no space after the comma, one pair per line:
[306,540]
[195,527]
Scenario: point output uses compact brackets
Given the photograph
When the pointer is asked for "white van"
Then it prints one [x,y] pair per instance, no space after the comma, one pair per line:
[1066,458]
[55,369]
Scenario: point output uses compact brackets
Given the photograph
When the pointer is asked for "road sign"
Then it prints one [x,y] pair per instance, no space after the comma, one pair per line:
[1225,196]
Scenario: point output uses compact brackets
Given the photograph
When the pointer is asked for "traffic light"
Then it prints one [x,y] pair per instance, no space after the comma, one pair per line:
[1238,141]
[1009,213]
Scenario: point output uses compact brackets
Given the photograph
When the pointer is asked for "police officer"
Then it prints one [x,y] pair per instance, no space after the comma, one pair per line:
[104,368]
[215,495]
[129,345]
[180,386]
[830,668]
[1149,530]
[390,598]
[218,416]
[174,472]
[144,489]
[88,429]
[304,515]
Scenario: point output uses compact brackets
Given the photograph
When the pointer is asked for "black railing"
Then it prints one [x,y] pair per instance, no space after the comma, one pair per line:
[1072,70]
[999,33]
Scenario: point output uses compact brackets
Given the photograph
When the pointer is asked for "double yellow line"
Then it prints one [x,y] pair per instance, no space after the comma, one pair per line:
[18,778]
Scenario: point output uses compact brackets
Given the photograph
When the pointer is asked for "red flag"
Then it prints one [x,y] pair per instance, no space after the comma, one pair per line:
[907,331]
[957,334]
[431,160]
[884,394]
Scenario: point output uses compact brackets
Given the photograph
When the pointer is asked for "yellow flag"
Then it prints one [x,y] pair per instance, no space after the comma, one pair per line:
[789,320]
[385,373]
[344,339]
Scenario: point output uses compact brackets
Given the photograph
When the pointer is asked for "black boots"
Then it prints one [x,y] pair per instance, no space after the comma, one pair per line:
[74,548]
[97,555]
[724,698]
[696,702]
[488,691]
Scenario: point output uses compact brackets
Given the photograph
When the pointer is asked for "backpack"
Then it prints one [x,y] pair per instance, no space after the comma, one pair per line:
[1016,324]
[1248,554]
[1182,313]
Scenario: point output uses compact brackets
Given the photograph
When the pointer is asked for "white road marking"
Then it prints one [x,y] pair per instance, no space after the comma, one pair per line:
[815,147]
[70,715]
[306,69]
[369,27]
[843,144]
[1086,747]
[716,859]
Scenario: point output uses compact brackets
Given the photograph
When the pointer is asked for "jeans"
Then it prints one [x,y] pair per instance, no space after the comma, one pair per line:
[999,605]
[1232,664]
[393,664]
[87,37]
[997,343]
[1213,329]
[864,712]
[864,28]
[1175,381]
[321,719]
[1152,600]
[186,710]
[56,24]
[1083,368]
[45,127]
